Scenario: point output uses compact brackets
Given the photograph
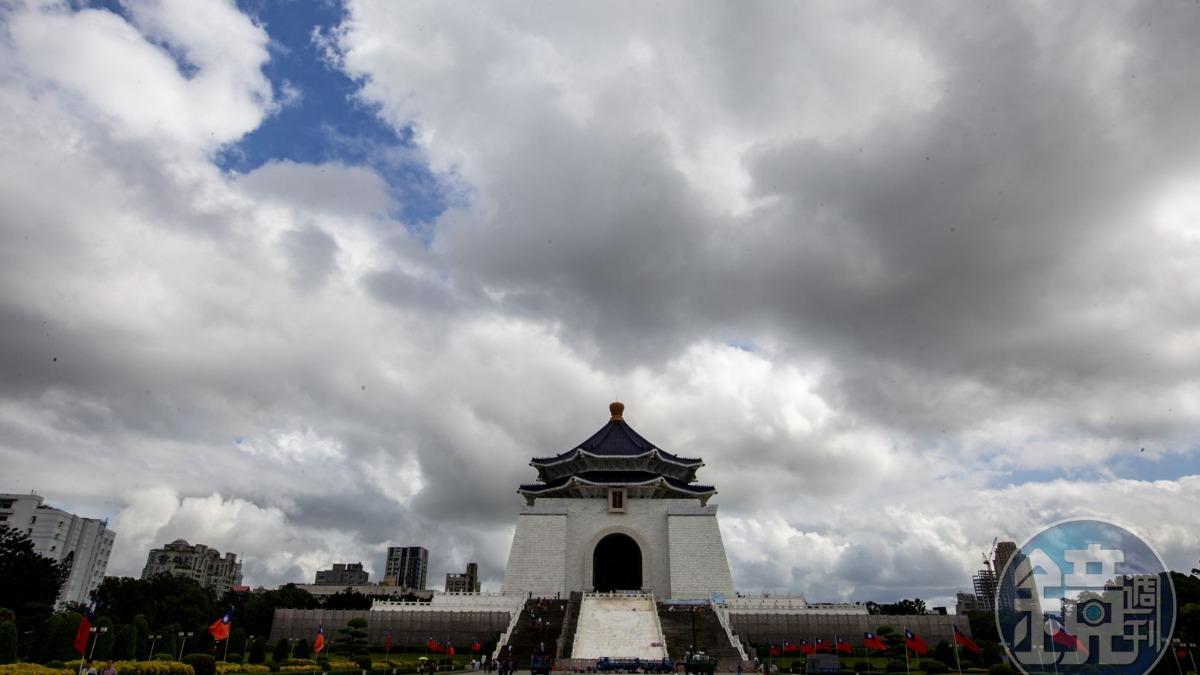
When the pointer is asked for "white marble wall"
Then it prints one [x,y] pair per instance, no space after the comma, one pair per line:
[682,551]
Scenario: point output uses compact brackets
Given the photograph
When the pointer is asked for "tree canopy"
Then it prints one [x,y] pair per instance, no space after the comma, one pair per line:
[25,576]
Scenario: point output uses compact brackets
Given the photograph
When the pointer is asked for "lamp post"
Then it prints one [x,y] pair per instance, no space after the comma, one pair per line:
[183,641]
[693,613]
[96,631]
[153,641]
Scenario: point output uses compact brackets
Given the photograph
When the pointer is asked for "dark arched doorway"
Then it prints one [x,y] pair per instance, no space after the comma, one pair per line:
[617,564]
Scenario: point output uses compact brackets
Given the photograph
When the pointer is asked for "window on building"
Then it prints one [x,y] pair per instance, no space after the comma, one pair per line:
[616,500]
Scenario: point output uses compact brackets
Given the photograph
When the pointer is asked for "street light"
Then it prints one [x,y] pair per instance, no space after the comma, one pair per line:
[97,631]
[153,641]
[183,642]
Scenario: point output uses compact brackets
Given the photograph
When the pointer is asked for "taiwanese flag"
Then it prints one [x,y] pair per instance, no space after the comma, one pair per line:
[873,641]
[789,648]
[85,629]
[319,641]
[914,642]
[775,651]
[476,647]
[842,646]
[806,648]
[820,646]
[449,649]
[430,645]
[1061,637]
[387,641]
[220,627]
[964,641]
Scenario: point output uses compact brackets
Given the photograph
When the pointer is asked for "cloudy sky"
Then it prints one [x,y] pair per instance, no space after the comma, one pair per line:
[303,280]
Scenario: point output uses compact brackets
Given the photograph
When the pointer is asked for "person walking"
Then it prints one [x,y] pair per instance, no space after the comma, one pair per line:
[109,669]
[88,668]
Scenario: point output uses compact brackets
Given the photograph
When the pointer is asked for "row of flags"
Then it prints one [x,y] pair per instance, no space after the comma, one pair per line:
[870,641]
[442,648]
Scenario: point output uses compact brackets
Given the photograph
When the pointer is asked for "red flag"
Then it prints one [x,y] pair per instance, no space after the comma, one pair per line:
[319,641]
[387,642]
[85,629]
[449,649]
[1061,637]
[789,648]
[476,647]
[873,641]
[843,646]
[964,641]
[806,648]
[220,627]
[820,646]
[775,651]
[914,642]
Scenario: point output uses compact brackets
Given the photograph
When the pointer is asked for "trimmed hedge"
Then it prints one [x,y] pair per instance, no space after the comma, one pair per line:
[203,664]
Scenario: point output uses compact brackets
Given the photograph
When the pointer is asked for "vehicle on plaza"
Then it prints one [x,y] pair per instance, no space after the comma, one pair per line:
[700,664]
[608,664]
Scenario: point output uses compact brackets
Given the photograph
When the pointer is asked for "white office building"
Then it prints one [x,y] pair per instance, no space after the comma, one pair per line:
[58,535]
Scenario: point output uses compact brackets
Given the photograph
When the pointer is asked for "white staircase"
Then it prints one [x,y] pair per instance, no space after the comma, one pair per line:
[620,626]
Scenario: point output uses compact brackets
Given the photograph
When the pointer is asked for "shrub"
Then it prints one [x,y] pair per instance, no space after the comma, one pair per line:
[999,669]
[8,642]
[363,662]
[862,666]
[896,667]
[143,667]
[33,669]
[282,651]
[57,665]
[234,659]
[163,656]
[934,667]
[273,666]
[229,667]
[324,664]
[203,664]
[258,651]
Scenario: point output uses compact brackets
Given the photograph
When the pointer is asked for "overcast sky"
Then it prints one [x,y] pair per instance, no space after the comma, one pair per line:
[304,280]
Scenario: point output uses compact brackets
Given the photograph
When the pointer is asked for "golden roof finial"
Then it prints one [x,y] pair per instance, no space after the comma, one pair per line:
[617,409]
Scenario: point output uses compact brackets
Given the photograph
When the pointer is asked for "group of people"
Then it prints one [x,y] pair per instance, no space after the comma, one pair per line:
[90,669]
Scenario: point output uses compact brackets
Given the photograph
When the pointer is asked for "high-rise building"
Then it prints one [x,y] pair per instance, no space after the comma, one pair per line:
[464,583]
[407,566]
[1004,552]
[85,543]
[343,574]
[198,562]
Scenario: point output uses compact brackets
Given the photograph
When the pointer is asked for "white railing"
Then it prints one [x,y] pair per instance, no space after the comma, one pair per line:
[723,618]
[507,632]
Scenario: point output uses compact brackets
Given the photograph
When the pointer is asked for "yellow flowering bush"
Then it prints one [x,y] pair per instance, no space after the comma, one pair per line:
[33,669]
[299,668]
[223,668]
[135,668]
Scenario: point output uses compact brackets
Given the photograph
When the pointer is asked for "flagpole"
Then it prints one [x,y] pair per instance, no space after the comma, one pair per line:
[226,657]
[1175,653]
[954,641]
[1053,654]
[906,670]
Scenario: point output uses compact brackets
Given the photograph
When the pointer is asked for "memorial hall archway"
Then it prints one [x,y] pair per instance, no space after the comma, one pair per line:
[617,564]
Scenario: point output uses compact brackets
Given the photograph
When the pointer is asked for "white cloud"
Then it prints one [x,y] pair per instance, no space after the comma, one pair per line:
[778,235]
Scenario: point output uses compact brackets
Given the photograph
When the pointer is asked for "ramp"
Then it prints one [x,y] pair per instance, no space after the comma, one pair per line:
[618,626]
